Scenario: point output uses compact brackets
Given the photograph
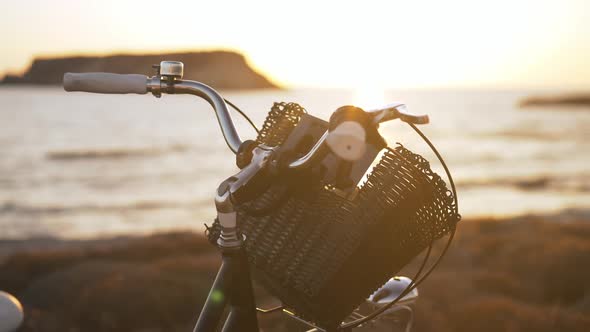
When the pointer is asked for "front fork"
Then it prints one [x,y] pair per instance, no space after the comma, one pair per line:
[232,286]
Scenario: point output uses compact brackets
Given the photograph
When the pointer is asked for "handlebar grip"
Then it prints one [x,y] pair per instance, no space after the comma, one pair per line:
[105,83]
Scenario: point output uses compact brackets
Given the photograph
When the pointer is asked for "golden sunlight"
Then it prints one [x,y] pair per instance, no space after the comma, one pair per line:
[116,210]
[329,43]
[369,97]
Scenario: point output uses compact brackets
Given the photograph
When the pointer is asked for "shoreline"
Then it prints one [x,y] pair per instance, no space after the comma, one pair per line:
[562,216]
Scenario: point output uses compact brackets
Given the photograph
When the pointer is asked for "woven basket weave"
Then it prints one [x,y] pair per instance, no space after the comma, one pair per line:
[322,254]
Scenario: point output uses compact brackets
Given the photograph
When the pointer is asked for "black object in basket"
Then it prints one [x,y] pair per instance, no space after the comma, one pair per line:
[322,254]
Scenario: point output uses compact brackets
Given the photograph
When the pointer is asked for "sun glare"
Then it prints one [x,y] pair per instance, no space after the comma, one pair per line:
[330,43]
[369,97]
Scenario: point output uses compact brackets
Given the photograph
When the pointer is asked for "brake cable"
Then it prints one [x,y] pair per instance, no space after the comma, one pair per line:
[243,115]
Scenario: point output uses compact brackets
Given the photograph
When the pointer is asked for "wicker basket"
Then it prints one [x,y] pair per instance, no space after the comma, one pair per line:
[322,254]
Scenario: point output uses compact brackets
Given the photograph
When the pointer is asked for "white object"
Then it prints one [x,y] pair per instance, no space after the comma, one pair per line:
[392,289]
[348,140]
[11,313]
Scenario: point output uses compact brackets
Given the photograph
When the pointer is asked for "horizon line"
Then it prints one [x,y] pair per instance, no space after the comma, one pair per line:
[282,83]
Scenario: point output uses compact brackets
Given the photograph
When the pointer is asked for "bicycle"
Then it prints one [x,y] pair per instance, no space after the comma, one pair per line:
[329,159]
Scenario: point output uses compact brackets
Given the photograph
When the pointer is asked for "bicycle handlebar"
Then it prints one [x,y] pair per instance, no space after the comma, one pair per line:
[106,83]
[140,84]
[169,81]
[379,115]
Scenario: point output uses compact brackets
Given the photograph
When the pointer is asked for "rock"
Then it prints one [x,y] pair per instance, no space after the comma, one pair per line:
[565,100]
[219,69]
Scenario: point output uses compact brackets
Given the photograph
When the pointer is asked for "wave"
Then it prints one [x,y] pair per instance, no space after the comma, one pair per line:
[564,215]
[113,153]
[11,207]
[522,134]
[579,183]
[579,100]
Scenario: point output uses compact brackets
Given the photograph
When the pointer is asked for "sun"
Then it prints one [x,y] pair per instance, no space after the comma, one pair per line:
[369,97]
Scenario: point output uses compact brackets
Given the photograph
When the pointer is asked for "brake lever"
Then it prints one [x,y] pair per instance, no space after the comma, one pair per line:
[386,113]
[397,111]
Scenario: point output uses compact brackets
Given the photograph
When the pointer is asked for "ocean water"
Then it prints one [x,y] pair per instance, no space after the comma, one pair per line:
[78,165]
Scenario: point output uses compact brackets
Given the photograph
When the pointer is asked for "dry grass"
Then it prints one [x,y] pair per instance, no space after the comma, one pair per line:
[523,275]
[511,276]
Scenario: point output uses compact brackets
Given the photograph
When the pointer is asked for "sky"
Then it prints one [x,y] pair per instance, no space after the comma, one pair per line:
[410,43]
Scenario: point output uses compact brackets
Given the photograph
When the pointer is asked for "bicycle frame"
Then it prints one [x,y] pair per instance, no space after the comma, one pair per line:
[233,287]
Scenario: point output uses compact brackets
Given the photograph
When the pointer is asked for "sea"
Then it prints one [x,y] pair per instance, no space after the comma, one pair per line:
[77,165]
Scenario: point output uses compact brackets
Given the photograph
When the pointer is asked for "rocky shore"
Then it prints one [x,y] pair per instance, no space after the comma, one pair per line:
[525,274]
[220,69]
[570,100]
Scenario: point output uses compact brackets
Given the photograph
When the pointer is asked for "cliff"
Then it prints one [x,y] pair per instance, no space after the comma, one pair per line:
[220,69]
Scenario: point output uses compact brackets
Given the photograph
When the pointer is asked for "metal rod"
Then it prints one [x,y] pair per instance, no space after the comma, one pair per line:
[216,301]
[268,311]
[242,316]
[318,151]
[233,285]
